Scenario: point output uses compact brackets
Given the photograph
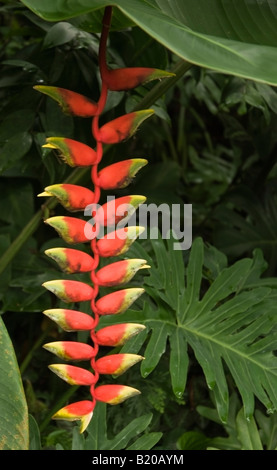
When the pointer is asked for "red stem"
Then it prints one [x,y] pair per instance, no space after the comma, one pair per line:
[94,176]
[107,18]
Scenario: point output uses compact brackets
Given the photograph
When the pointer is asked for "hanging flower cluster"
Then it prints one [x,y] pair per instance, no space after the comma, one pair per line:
[74,230]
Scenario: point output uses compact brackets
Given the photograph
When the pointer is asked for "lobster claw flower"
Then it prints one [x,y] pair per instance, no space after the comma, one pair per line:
[72,197]
[73,153]
[119,301]
[130,77]
[113,243]
[123,127]
[79,411]
[119,272]
[71,229]
[70,350]
[72,374]
[70,291]
[120,174]
[118,242]
[70,320]
[70,260]
[114,394]
[71,102]
[116,364]
[119,209]
[117,335]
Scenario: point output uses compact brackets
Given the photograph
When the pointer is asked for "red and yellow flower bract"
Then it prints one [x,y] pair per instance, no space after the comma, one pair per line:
[72,230]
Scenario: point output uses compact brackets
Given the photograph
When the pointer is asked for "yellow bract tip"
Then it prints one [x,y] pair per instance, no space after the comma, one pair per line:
[44,194]
[49,146]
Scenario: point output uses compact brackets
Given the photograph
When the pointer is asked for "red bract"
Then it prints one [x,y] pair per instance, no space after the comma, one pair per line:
[70,291]
[119,175]
[116,364]
[119,209]
[118,302]
[72,374]
[72,197]
[106,240]
[114,394]
[70,320]
[117,335]
[70,101]
[118,242]
[70,350]
[70,260]
[79,411]
[128,78]
[119,272]
[71,229]
[72,152]
[123,128]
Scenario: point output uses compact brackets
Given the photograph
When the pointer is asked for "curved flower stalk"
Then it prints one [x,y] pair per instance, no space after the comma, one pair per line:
[74,230]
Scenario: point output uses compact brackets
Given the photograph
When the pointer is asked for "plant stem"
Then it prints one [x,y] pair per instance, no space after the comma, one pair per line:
[180,68]
[172,149]
[29,356]
[202,125]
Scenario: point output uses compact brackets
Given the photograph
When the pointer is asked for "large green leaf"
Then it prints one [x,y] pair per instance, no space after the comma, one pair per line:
[229,322]
[232,37]
[97,433]
[14,434]
[256,433]
[248,433]
[243,20]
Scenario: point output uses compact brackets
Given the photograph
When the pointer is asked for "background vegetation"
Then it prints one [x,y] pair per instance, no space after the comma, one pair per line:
[209,378]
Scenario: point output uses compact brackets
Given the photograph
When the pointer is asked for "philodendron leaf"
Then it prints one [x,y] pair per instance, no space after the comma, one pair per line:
[14,433]
[238,38]
[97,433]
[255,433]
[228,321]
[248,433]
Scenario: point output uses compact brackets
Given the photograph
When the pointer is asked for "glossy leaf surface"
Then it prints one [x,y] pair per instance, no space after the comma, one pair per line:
[232,37]
[13,407]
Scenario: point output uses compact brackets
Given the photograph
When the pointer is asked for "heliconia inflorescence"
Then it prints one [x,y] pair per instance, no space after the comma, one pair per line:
[114,243]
